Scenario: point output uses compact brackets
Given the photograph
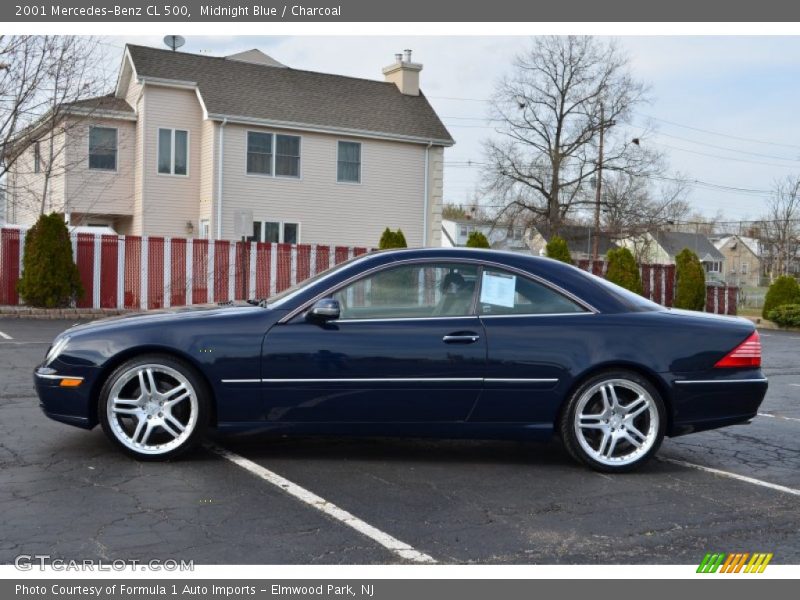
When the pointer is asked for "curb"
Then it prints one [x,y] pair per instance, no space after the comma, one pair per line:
[27,312]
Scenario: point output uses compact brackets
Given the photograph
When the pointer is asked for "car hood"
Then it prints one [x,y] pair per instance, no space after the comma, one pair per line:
[166,315]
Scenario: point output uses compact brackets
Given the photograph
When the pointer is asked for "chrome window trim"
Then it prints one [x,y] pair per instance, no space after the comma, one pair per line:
[240,380]
[688,381]
[445,259]
[519,315]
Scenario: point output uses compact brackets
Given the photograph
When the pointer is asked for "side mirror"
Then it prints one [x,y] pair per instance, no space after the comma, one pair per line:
[326,309]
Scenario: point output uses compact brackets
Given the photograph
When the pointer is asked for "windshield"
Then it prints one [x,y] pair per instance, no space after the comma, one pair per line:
[286,295]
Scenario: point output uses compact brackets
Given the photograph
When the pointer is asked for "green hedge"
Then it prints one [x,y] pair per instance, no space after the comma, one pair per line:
[557,249]
[477,240]
[623,270]
[787,315]
[50,278]
[784,290]
[690,281]
[392,239]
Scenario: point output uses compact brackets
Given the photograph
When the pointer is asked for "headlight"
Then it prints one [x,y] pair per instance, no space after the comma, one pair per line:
[55,350]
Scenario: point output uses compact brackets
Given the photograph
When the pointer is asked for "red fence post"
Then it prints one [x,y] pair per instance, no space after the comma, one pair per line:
[10,242]
[177,281]
[109,248]
[85,262]
[222,254]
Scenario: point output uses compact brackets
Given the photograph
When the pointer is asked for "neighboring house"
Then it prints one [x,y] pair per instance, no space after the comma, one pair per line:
[455,233]
[663,246]
[742,260]
[188,142]
[579,240]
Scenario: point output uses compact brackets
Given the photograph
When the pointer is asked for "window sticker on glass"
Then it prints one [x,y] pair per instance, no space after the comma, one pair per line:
[498,289]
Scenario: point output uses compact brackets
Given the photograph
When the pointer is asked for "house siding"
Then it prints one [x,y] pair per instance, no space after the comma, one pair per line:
[207,175]
[26,187]
[169,201]
[93,191]
[390,194]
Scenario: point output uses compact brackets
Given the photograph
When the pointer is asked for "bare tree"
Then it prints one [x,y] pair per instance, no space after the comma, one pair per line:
[44,81]
[634,207]
[781,226]
[562,93]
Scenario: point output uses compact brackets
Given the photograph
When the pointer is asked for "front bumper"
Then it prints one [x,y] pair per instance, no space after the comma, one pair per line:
[71,405]
[708,400]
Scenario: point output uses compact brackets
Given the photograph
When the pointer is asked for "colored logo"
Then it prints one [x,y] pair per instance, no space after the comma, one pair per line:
[740,562]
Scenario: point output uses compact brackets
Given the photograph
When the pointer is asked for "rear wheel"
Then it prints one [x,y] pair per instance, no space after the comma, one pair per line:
[614,422]
[154,407]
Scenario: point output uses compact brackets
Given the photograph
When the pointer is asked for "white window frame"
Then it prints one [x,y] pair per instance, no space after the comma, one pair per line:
[89,150]
[205,229]
[360,162]
[172,131]
[273,174]
[281,225]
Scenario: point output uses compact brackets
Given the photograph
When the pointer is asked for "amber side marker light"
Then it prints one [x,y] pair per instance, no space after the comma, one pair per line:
[68,382]
[746,354]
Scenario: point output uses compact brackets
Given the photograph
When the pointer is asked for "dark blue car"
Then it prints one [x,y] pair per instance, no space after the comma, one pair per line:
[427,342]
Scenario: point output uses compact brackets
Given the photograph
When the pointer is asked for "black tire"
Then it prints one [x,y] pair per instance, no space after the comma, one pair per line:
[201,407]
[568,430]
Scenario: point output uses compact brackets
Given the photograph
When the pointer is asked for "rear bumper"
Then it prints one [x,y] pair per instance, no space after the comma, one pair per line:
[701,403]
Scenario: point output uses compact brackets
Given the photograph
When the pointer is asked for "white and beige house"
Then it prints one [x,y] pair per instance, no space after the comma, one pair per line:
[187,144]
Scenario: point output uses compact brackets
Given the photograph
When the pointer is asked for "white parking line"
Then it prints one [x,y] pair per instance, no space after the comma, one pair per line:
[759,482]
[5,336]
[384,539]
[778,417]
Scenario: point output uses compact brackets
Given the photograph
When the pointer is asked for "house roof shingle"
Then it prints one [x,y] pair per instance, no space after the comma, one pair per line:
[235,88]
[675,241]
[109,102]
[579,238]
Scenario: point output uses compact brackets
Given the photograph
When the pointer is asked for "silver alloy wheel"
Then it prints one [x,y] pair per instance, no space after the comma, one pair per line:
[616,422]
[152,409]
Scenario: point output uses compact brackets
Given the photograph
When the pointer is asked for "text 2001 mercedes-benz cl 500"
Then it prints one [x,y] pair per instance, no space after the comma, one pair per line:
[426,342]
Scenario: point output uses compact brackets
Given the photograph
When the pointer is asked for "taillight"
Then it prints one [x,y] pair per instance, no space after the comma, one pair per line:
[746,354]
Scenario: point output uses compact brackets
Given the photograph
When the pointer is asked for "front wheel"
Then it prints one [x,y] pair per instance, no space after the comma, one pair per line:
[614,422]
[154,407]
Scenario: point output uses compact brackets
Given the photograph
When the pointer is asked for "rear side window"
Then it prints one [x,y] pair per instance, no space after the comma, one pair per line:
[504,293]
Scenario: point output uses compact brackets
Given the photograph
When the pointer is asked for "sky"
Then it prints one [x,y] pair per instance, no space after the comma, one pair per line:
[723,110]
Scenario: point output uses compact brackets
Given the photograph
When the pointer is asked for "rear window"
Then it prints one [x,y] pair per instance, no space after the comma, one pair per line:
[634,301]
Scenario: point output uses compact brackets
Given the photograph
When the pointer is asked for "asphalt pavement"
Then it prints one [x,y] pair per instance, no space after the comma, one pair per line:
[68,493]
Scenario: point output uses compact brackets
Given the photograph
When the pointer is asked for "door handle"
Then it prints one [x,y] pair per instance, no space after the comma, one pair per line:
[461,338]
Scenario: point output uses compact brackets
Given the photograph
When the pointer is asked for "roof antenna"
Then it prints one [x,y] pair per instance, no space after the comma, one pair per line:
[174,41]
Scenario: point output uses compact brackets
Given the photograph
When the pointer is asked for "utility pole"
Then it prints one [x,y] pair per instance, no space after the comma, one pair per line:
[598,189]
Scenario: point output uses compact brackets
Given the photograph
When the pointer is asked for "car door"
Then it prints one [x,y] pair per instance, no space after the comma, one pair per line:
[405,347]
[534,339]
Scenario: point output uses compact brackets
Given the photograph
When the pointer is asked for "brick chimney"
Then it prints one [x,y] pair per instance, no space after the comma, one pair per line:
[404,74]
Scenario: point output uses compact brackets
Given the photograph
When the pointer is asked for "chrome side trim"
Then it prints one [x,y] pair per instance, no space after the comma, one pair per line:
[241,381]
[49,376]
[519,315]
[376,380]
[520,380]
[688,381]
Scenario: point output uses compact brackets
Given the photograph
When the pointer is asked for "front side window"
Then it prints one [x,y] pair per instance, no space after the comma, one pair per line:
[287,156]
[173,151]
[348,164]
[259,153]
[37,158]
[411,291]
[103,148]
[504,293]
